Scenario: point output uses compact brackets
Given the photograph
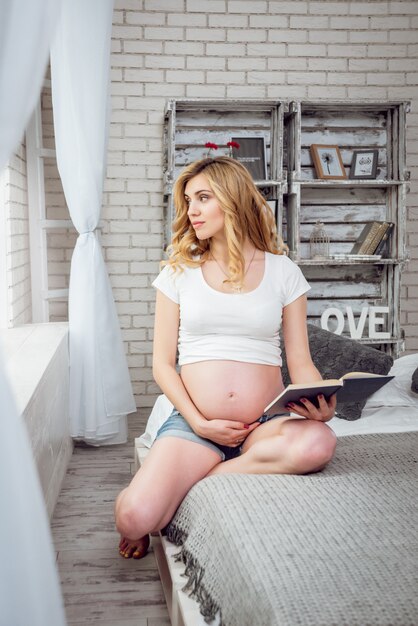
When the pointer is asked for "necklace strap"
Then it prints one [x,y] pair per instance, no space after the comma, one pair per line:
[226,274]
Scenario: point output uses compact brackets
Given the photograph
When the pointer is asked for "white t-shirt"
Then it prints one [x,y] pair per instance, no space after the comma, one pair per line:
[232,326]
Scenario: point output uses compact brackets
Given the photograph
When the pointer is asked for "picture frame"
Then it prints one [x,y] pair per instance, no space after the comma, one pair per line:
[252,154]
[364,164]
[273,204]
[328,162]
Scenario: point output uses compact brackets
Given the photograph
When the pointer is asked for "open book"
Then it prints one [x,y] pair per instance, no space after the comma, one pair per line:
[352,387]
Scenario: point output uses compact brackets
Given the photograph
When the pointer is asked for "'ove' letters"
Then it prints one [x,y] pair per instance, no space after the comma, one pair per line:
[376,319]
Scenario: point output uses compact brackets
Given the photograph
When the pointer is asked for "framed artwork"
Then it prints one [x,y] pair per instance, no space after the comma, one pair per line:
[364,164]
[328,162]
[252,154]
[273,204]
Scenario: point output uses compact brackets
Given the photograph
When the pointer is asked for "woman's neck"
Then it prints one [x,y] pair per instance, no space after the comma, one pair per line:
[220,251]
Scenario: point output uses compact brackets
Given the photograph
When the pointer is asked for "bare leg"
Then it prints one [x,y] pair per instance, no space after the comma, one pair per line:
[171,468]
[283,446]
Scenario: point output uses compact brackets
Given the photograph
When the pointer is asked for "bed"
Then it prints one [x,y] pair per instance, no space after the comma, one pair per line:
[334,548]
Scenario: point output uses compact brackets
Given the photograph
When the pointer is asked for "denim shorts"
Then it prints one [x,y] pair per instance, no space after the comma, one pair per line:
[176,426]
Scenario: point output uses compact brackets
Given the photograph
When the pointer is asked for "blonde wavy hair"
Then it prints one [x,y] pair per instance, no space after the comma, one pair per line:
[247,215]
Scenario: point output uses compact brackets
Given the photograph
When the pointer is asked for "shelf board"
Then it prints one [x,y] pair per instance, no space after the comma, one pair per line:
[231,104]
[271,183]
[168,185]
[347,182]
[329,262]
[367,340]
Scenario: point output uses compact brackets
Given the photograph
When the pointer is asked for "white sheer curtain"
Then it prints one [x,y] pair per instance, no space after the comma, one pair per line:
[29,587]
[25,29]
[100,388]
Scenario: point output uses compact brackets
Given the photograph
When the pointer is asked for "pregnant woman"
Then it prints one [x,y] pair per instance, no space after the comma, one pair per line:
[225,295]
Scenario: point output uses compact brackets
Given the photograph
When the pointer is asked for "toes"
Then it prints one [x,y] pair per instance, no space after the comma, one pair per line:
[129,551]
[122,542]
[141,548]
[136,549]
[124,547]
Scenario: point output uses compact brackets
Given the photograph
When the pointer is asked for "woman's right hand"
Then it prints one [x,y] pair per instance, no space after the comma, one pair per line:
[225,432]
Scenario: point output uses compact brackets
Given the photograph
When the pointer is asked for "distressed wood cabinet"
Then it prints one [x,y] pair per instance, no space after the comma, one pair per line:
[190,124]
[345,206]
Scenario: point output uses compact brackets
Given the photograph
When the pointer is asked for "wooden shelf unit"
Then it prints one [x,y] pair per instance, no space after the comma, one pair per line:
[345,206]
[191,123]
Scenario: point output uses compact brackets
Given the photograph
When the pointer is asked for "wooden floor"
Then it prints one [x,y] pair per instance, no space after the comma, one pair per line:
[99,586]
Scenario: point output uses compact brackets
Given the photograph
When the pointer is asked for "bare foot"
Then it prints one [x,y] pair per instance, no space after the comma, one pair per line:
[134,549]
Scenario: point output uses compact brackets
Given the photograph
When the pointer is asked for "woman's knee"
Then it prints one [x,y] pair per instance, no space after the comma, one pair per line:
[136,517]
[315,448]
[300,448]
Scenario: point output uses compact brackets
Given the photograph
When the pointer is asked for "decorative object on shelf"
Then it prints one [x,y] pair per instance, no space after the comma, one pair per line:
[375,314]
[328,162]
[371,237]
[319,242]
[210,146]
[230,145]
[252,154]
[364,164]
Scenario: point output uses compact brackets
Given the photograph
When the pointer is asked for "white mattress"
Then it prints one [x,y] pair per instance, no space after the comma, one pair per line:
[378,420]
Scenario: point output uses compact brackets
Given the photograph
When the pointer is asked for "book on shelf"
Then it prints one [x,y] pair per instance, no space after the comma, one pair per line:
[381,232]
[370,237]
[352,387]
[383,245]
[365,237]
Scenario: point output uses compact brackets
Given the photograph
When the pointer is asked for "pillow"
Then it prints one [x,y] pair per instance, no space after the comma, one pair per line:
[335,355]
[414,383]
[398,391]
[161,411]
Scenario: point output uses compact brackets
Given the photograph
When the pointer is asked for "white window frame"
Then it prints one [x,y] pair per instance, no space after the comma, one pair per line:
[4,297]
[38,222]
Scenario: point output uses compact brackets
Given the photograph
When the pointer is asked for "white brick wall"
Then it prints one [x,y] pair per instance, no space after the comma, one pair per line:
[223,49]
[229,48]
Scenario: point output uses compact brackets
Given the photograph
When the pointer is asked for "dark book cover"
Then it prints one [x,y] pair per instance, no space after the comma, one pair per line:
[383,247]
[358,389]
[353,387]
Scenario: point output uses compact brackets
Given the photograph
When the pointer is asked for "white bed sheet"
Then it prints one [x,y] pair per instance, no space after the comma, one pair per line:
[389,419]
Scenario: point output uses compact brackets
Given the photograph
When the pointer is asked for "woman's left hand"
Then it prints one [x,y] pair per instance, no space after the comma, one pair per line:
[307,409]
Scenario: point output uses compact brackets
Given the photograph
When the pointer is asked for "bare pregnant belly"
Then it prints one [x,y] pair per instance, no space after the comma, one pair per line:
[230,389]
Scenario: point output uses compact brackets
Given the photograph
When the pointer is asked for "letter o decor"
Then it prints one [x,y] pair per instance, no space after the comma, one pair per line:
[340,320]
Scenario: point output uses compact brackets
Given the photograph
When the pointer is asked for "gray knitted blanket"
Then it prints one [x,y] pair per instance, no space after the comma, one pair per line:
[335,548]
